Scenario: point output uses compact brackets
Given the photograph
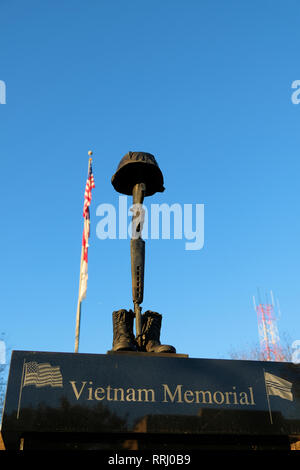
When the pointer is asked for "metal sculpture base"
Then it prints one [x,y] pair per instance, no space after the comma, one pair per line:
[148,354]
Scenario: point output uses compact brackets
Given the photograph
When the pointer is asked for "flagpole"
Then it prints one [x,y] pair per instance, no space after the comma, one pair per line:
[270,412]
[78,312]
[21,390]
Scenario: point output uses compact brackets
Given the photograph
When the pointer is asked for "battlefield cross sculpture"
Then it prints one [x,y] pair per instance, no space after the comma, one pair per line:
[138,175]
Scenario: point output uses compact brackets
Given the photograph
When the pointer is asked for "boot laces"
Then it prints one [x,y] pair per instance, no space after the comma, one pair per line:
[152,329]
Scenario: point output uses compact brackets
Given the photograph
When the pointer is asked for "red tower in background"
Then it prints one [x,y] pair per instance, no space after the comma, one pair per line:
[267,314]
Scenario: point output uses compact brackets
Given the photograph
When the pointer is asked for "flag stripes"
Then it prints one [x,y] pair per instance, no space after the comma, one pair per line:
[90,184]
[42,375]
[277,386]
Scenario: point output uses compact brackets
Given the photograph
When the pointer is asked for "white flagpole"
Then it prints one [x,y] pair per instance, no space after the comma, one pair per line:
[78,312]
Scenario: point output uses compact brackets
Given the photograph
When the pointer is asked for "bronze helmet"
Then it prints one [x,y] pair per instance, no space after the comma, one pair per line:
[138,167]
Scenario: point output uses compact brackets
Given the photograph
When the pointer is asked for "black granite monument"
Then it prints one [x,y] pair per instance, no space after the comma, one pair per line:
[149,401]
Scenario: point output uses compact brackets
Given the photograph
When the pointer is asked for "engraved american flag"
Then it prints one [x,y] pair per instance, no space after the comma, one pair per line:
[42,375]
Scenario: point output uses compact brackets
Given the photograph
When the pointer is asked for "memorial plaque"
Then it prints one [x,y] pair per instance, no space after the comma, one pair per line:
[141,394]
[134,393]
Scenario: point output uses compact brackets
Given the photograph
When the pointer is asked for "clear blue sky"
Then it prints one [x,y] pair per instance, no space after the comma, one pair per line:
[203,85]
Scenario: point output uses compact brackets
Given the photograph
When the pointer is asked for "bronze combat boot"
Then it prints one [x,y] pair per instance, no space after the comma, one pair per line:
[123,337]
[151,325]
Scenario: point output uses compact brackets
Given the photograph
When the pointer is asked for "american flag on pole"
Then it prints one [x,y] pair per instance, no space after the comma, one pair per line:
[42,374]
[90,184]
[278,386]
